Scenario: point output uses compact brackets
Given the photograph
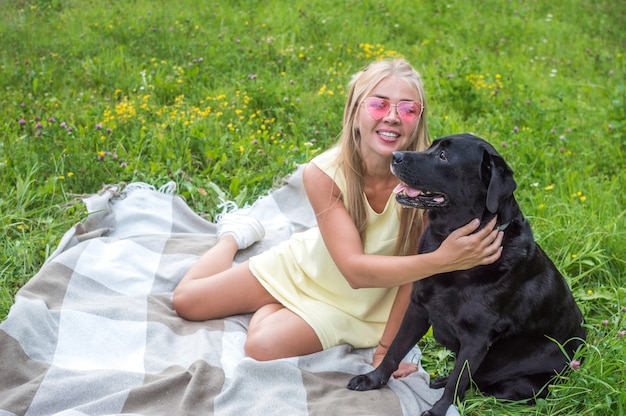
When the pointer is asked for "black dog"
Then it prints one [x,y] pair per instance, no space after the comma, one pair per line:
[506,322]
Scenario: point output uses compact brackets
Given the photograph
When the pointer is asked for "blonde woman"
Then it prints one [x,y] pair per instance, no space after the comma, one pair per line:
[348,280]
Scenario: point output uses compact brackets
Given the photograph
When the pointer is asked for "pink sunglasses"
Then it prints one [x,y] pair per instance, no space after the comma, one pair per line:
[380,107]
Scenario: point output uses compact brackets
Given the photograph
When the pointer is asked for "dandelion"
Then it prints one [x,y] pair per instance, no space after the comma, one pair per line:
[549,187]
[574,365]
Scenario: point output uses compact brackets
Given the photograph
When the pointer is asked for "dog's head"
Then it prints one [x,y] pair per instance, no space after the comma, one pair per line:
[461,177]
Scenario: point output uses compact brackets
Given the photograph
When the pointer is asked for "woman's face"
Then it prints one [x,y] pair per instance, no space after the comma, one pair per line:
[395,129]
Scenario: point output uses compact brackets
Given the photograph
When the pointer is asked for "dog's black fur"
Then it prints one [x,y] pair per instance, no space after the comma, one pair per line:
[506,321]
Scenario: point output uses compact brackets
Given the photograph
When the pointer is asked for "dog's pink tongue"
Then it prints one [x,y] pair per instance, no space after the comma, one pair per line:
[409,191]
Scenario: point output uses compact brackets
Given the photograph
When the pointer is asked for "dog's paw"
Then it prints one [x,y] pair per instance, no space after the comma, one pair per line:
[431,412]
[365,382]
[438,382]
[439,409]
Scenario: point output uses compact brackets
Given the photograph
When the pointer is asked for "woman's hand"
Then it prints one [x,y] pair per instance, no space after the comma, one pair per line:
[404,369]
[463,250]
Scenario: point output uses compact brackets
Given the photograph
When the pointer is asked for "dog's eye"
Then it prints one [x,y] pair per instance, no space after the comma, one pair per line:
[442,155]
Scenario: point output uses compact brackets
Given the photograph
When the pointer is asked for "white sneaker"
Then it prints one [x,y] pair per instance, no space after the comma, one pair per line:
[246,230]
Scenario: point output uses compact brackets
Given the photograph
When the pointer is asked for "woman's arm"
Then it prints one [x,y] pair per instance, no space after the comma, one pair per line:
[400,305]
[459,251]
[398,310]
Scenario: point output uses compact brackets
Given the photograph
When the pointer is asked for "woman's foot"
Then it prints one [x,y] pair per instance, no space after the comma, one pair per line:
[245,229]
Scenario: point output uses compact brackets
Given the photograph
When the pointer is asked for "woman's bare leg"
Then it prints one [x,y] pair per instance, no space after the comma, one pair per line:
[217,259]
[213,289]
[277,332]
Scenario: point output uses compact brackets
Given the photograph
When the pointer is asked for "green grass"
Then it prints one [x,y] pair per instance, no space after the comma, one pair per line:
[227,97]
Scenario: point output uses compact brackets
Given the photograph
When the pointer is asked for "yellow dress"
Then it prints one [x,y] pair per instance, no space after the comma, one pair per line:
[301,275]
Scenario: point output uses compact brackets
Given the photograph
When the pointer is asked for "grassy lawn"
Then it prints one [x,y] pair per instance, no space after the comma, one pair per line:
[225,98]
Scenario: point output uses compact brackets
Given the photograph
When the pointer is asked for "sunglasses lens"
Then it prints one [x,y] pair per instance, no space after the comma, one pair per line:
[409,110]
[377,107]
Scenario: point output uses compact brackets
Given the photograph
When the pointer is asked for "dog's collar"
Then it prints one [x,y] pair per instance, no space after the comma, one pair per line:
[502,227]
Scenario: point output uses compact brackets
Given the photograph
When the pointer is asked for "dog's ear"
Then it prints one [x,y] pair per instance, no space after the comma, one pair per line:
[498,177]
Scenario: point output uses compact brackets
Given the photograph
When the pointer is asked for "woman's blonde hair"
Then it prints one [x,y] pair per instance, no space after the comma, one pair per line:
[351,159]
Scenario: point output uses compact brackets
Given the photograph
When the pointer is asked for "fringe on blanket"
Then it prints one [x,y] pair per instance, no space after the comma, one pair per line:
[226,206]
[169,188]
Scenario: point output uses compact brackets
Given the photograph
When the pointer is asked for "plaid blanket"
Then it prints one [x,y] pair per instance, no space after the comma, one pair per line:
[94,332]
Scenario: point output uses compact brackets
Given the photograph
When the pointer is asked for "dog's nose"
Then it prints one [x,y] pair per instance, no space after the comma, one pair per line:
[397,158]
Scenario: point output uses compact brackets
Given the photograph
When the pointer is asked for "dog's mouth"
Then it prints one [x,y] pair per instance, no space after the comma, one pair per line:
[416,198]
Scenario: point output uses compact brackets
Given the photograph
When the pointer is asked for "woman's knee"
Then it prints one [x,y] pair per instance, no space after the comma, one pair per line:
[279,333]
[182,303]
[260,348]
[188,303]
[265,348]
